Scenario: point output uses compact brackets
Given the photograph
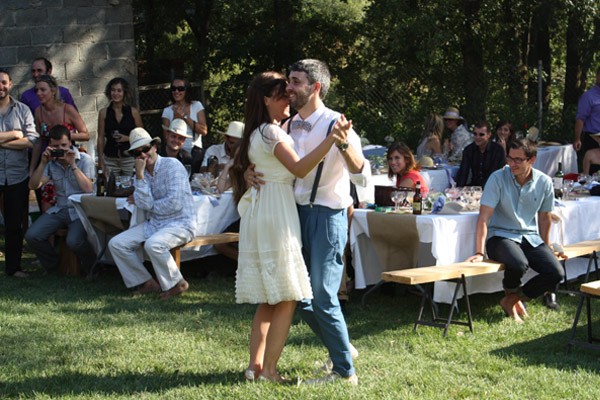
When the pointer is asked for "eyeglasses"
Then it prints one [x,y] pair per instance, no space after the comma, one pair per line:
[138,152]
[516,160]
[178,88]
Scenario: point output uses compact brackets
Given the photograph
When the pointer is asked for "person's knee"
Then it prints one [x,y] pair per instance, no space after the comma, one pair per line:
[33,236]
[154,246]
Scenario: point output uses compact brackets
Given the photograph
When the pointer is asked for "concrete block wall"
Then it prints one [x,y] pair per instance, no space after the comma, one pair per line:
[88,42]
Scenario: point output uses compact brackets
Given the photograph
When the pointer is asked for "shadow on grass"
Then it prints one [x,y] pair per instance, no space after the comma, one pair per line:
[122,384]
[550,350]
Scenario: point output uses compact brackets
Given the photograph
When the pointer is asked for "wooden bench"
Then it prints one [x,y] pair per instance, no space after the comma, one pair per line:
[226,237]
[587,291]
[457,272]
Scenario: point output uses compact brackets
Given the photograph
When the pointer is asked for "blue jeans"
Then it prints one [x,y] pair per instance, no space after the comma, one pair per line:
[324,236]
[518,258]
[38,238]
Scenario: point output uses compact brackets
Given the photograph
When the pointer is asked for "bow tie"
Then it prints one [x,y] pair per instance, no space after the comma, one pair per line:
[299,124]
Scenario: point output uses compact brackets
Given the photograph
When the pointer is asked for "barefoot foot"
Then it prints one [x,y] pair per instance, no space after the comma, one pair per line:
[521,310]
[508,304]
[176,290]
[150,286]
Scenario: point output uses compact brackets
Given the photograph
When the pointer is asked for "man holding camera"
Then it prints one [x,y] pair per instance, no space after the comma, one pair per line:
[72,173]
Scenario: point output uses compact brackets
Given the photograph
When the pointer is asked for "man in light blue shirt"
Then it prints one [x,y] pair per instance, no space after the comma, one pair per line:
[72,172]
[512,200]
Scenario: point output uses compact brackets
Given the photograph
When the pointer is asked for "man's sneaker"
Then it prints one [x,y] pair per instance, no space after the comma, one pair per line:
[328,367]
[332,377]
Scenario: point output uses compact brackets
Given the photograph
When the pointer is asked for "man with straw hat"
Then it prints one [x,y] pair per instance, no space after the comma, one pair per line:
[173,146]
[460,137]
[162,190]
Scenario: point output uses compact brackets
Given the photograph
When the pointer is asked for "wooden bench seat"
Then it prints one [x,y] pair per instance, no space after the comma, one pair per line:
[206,240]
[457,272]
[587,292]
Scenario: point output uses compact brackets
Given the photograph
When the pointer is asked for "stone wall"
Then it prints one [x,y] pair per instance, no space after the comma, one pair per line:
[88,42]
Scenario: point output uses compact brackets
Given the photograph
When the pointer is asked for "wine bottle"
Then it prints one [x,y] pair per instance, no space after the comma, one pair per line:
[557,182]
[417,204]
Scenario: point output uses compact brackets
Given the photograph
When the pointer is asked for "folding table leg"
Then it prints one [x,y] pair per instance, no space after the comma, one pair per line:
[575,321]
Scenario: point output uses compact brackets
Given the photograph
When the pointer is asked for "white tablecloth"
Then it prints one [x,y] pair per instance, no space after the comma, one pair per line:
[447,239]
[548,158]
[213,216]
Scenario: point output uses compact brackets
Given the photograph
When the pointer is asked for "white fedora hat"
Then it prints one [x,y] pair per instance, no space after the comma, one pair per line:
[235,129]
[138,137]
[179,127]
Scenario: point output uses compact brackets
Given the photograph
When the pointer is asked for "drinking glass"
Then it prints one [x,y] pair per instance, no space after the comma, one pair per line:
[567,188]
[396,198]
[125,181]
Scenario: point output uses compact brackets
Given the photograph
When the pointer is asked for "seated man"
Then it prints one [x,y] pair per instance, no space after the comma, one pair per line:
[173,146]
[224,151]
[480,158]
[72,173]
[162,190]
[512,199]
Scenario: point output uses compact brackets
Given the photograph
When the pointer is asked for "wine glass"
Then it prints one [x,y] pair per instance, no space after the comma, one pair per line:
[567,188]
[396,198]
[125,181]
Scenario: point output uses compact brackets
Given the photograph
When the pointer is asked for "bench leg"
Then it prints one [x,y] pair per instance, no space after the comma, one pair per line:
[424,298]
[371,290]
[453,305]
[176,253]
[466,296]
[563,263]
[575,321]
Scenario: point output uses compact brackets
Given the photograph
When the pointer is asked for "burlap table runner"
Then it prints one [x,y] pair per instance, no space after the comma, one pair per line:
[395,239]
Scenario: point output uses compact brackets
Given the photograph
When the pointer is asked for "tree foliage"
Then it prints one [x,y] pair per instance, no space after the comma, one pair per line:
[394,61]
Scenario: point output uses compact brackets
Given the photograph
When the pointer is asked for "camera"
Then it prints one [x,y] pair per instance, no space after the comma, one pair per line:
[57,153]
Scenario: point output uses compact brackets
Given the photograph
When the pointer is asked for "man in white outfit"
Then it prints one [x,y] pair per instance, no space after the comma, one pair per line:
[162,190]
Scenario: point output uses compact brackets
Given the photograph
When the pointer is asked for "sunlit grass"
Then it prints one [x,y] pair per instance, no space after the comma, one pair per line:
[62,337]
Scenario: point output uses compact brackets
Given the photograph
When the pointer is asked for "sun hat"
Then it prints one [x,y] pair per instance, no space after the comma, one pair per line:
[452,113]
[178,126]
[138,137]
[235,129]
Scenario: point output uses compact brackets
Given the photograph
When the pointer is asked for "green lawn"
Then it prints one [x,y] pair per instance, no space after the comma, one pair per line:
[62,337]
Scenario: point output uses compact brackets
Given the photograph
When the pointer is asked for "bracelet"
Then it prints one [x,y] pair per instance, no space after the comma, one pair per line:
[480,254]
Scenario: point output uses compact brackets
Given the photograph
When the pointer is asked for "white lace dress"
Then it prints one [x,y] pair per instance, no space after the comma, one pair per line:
[270,264]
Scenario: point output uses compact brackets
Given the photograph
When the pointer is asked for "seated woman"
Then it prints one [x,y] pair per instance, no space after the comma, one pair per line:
[591,159]
[402,165]
[505,132]
[431,140]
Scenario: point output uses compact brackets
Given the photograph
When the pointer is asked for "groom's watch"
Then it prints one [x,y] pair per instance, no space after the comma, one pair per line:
[342,146]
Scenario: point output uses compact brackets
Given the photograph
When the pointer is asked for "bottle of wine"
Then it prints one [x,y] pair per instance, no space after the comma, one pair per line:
[100,186]
[557,182]
[417,204]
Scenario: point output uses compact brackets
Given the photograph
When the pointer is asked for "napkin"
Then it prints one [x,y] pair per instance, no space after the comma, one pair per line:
[438,204]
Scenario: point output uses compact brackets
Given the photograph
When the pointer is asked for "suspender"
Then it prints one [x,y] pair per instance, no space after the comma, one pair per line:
[313,193]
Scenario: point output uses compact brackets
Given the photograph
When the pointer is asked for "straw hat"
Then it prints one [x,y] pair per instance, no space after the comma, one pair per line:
[138,137]
[179,127]
[235,129]
[426,162]
[453,113]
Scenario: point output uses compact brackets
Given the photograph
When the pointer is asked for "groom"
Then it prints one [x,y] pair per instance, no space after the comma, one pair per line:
[323,220]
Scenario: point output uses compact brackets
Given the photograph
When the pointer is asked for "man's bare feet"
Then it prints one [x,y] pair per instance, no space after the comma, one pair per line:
[150,286]
[176,290]
[521,310]
[509,305]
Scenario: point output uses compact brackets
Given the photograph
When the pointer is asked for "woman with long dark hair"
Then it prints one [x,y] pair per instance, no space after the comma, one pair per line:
[271,271]
[402,166]
[192,112]
[114,124]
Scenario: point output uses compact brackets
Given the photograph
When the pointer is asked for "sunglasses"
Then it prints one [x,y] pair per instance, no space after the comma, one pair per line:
[178,88]
[138,152]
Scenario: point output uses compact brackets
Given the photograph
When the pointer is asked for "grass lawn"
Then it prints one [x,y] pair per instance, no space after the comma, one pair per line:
[62,337]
